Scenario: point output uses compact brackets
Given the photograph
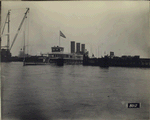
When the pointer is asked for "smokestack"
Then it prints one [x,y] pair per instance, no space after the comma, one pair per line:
[78,48]
[72,46]
[83,48]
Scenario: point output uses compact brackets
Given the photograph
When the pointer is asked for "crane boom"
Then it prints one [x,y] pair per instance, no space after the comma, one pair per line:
[4,24]
[19,28]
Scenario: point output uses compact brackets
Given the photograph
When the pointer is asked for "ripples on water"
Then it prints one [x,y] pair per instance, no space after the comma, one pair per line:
[73,92]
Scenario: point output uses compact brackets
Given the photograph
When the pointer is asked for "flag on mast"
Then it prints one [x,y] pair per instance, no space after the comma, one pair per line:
[62,35]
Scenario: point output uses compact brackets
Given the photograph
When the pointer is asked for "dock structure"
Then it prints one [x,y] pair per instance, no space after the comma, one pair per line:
[129,61]
[124,61]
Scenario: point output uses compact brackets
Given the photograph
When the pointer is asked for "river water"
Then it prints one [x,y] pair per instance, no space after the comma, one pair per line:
[51,92]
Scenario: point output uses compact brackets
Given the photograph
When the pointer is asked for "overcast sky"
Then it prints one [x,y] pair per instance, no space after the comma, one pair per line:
[119,26]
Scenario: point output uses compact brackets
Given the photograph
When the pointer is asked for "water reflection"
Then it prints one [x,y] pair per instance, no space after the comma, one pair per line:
[29,100]
[73,92]
[26,105]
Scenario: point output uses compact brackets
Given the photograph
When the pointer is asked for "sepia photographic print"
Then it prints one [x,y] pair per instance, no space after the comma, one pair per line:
[75,60]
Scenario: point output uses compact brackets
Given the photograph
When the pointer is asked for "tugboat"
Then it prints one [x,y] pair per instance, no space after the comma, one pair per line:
[102,62]
[93,61]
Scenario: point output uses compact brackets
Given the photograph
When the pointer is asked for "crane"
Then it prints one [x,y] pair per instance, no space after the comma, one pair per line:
[7,21]
[25,16]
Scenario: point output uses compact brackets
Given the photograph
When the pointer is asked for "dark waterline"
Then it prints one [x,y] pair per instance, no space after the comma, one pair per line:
[73,92]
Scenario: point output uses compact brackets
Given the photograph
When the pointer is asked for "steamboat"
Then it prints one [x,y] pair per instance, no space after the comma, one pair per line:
[58,53]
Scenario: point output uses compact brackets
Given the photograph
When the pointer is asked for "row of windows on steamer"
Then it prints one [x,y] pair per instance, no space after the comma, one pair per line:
[57,49]
[66,56]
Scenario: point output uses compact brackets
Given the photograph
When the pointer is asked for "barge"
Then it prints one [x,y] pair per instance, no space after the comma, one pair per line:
[124,61]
